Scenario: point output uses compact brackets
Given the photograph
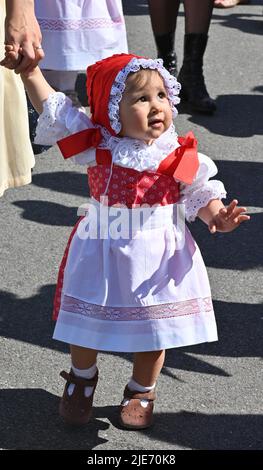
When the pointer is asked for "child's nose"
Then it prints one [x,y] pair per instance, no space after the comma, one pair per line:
[156,105]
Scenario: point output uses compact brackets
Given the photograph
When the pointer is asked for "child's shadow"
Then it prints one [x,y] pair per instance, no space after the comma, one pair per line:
[30,420]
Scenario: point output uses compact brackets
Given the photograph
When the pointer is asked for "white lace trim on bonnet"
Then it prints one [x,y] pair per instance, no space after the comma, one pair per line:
[118,87]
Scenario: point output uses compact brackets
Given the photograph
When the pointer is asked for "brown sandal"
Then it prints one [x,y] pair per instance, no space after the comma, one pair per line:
[136,410]
[76,409]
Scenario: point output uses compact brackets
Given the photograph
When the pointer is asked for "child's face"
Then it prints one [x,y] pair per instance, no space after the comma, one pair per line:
[145,111]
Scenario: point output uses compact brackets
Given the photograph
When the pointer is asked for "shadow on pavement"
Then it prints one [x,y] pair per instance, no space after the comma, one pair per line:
[245,22]
[237,250]
[30,420]
[48,213]
[25,410]
[179,359]
[208,431]
[69,182]
[30,319]
[236,116]
[239,332]
[243,181]
[135,7]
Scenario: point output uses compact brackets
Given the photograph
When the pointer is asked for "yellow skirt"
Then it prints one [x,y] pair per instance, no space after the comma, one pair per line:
[16,155]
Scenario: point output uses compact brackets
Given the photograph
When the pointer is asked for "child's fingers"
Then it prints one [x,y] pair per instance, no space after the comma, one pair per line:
[10,64]
[29,56]
[231,207]
[12,55]
[6,62]
[223,211]
[237,211]
[11,60]
[243,218]
[212,227]
[9,47]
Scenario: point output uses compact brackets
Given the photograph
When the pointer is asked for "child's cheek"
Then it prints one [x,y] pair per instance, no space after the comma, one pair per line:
[137,113]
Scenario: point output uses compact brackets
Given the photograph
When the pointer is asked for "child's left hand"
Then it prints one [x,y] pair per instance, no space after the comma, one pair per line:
[228,218]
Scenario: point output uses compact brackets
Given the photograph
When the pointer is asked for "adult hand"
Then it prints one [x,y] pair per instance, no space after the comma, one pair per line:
[22,31]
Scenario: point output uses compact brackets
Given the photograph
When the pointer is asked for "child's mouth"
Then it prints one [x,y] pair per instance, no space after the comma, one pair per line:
[157,124]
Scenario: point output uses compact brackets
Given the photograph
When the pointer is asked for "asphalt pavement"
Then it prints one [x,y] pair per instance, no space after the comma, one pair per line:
[210,395]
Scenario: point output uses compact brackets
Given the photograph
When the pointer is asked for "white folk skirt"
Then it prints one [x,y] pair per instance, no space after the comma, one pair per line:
[134,280]
[78,33]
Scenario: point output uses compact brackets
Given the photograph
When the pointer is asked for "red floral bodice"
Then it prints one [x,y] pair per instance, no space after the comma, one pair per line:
[131,187]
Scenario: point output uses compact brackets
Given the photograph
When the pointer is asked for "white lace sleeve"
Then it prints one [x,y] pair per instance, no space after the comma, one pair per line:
[202,190]
[59,119]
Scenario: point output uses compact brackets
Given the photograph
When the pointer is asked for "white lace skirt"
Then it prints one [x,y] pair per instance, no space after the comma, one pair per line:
[77,34]
[134,283]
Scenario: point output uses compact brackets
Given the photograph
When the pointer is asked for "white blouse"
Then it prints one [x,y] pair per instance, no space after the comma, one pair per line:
[60,119]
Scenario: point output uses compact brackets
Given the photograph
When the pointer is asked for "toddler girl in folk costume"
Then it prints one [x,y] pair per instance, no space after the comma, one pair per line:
[146,290]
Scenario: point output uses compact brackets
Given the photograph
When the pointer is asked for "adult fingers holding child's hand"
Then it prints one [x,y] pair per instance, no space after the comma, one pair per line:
[23,32]
[32,54]
[228,218]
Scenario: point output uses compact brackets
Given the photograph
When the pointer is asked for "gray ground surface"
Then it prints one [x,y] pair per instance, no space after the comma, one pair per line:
[209,396]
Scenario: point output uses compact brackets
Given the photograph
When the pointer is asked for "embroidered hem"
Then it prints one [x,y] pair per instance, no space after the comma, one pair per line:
[148,312]
[75,25]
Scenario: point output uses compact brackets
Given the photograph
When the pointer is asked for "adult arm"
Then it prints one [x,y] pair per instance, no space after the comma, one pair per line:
[23,32]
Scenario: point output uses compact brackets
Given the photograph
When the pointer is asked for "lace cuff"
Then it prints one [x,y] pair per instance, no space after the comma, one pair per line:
[59,119]
[201,196]
[51,122]
[202,190]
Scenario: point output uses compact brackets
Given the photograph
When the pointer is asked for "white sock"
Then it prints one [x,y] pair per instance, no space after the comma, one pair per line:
[84,374]
[135,386]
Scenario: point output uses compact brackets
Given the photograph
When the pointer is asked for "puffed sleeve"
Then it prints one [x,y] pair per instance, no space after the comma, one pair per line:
[202,190]
[60,119]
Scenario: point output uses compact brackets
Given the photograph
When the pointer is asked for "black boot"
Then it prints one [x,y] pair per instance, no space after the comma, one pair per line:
[191,74]
[165,51]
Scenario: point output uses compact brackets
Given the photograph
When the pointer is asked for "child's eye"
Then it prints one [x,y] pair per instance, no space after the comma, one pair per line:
[142,98]
[162,94]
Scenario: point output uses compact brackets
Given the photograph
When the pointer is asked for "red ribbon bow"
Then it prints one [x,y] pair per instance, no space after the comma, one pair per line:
[79,142]
[183,162]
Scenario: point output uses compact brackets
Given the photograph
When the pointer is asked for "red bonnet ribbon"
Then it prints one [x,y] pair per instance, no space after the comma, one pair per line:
[79,142]
[183,162]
